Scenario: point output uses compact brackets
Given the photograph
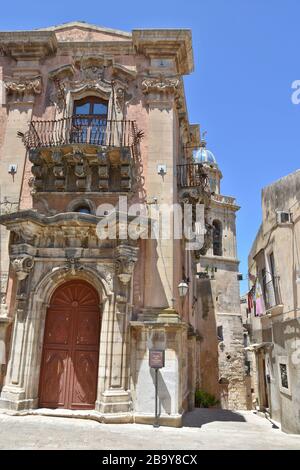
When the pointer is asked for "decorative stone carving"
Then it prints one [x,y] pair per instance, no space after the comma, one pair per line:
[92,72]
[3,287]
[73,266]
[58,95]
[58,171]
[125,155]
[79,171]
[160,85]
[125,171]
[37,171]
[108,274]
[126,257]
[103,170]
[57,156]
[24,85]
[120,99]
[199,195]
[60,77]
[125,158]
[208,238]
[34,157]
[102,157]
[22,266]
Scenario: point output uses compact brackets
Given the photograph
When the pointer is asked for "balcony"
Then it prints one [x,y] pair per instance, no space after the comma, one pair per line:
[80,129]
[192,175]
[86,153]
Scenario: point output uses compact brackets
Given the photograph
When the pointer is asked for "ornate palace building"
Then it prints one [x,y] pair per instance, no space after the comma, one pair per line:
[87,115]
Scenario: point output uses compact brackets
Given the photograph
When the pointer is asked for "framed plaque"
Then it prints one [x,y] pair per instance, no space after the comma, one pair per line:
[156,358]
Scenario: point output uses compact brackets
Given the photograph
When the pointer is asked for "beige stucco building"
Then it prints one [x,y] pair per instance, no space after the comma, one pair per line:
[274,327]
[87,115]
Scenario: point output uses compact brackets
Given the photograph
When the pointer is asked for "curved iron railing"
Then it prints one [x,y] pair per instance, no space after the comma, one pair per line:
[192,175]
[80,129]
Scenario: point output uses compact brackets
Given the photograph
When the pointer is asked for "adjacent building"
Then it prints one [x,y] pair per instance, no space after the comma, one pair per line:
[94,120]
[273,305]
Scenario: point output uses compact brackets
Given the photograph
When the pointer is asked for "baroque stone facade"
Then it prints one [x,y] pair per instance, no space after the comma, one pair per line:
[107,119]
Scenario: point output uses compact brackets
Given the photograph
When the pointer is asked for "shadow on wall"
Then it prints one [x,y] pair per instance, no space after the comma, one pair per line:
[206,325]
[164,398]
[201,416]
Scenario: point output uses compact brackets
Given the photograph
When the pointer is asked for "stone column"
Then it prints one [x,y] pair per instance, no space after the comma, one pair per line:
[13,392]
[113,389]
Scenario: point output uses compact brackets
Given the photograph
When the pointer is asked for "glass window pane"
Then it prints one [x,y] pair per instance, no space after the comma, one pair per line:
[100,108]
[82,108]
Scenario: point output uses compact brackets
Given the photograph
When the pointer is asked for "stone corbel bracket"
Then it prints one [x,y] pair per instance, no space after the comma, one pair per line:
[125,259]
[160,90]
[160,85]
[24,85]
[22,266]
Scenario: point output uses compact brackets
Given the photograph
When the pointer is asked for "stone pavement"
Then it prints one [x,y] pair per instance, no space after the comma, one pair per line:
[203,429]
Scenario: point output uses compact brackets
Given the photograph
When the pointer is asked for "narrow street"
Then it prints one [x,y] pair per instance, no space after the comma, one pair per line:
[203,429]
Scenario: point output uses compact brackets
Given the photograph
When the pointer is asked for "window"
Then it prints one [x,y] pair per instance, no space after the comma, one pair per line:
[91,106]
[217,238]
[283,372]
[89,121]
[264,287]
[274,278]
[213,184]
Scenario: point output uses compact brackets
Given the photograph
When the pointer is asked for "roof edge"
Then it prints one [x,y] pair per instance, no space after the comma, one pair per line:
[83,24]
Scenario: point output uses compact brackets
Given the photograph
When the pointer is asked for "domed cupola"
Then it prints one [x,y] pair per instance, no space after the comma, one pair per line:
[204,156]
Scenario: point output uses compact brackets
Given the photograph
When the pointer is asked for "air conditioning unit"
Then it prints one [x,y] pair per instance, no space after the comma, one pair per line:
[284,217]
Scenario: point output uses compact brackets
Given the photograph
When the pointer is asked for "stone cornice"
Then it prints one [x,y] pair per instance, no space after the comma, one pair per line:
[31,218]
[225,201]
[87,26]
[220,259]
[168,43]
[28,44]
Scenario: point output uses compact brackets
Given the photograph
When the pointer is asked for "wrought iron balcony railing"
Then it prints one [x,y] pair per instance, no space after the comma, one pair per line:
[192,175]
[92,130]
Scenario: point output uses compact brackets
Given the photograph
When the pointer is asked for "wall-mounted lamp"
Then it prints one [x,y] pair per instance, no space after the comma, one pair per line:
[182,289]
[12,170]
[162,170]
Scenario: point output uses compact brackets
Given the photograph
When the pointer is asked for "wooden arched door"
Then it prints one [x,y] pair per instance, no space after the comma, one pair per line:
[69,369]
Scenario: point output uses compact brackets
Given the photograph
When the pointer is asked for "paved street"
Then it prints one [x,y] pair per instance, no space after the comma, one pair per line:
[203,429]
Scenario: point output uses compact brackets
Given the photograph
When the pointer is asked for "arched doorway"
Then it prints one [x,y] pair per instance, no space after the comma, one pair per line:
[69,368]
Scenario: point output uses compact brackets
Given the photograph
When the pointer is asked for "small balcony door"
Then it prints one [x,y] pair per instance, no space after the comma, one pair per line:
[89,122]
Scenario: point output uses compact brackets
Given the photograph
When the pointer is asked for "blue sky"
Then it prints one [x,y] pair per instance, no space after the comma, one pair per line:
[246,58]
